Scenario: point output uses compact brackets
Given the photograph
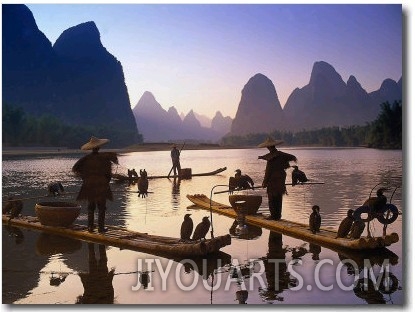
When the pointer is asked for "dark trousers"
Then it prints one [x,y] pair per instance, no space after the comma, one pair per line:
[100,204]
[176,166]
[275,205]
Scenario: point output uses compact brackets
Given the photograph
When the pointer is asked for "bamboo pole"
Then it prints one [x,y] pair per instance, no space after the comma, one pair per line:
[261,187]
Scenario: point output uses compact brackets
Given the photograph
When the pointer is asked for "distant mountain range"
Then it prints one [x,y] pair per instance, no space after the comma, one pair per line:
[326,101]
[157,124]
[78,80]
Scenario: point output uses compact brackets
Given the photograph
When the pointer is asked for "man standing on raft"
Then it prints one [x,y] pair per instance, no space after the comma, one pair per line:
[95,172]
[274,179]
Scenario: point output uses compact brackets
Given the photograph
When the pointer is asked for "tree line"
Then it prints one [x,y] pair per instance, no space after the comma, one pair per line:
[21,129]
[384,132]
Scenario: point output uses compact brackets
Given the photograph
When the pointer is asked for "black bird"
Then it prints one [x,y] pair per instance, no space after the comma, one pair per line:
[201,229]
[357,229]
[13,207]
[143,184]
[55,188]
[315,219]
[298,176]
[187,227]
[345,225]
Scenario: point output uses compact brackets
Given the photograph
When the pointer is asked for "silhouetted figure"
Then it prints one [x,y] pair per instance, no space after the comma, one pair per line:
[298,176]
[357,229]
[13,207]
[315,219]
[186,229]
[277,281]
[243,181]
[95,170]
[380,200]
[274,179]
[175,159]
[97,282]
[143,184]
[201,229]
[134,174]
[345,225]
[55,188]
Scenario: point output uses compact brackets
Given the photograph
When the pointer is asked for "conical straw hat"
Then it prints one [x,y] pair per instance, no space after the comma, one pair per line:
[93,143]
[270,142]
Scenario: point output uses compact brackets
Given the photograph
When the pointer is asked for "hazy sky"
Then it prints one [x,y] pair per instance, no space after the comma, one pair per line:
[200,56]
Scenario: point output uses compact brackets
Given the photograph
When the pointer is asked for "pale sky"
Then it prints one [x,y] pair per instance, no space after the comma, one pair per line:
[199,56]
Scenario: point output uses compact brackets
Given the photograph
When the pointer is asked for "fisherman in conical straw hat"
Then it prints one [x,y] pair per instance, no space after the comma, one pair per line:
[274,179]
[95,171]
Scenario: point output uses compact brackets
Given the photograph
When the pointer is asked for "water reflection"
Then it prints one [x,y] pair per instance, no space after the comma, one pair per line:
[249,231]
[98,288]
[15,233]
[48,245]
[377,283]
[175,192]
[278,278]
[315,251]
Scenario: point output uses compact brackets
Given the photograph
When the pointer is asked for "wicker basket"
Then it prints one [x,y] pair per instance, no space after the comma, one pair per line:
[252,202]
[61,214]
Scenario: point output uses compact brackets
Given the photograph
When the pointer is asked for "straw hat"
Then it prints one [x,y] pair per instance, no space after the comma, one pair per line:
[93,143]
[270,142]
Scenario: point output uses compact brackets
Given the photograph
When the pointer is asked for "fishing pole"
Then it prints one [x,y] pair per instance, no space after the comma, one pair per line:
[260,187]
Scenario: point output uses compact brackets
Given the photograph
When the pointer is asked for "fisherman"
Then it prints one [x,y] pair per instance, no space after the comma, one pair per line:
[274,179]
[95,171]
[175,158]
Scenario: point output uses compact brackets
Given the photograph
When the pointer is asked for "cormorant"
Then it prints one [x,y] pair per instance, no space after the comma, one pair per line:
[201,229]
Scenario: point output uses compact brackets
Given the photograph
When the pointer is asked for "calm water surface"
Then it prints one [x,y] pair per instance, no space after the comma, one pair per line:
[44,269]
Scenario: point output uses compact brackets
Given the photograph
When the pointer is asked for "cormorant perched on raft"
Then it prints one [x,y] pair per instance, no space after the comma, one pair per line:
[187,227]
[315,220]
[201,229]
[346,225]
[357,229]
[143,184]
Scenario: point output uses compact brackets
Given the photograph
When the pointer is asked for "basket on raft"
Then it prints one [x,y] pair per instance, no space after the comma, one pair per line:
[251,205]
[61,214]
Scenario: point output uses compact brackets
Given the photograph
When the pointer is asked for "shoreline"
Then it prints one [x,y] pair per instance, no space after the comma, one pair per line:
[146,147]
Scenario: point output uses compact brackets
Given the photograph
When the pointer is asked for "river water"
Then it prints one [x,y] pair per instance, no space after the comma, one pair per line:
[261,268]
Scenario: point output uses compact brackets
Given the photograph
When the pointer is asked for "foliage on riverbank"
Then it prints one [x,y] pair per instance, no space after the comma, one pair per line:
[384,132]
[22,129]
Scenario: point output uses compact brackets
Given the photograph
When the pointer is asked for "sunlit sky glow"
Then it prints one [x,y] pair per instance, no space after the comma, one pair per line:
[200,56]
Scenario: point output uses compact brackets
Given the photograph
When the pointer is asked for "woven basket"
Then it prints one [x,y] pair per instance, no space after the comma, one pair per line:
[61,214]
[252,202]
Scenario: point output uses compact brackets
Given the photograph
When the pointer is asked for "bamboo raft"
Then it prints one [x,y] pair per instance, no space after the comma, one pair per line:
[126,239]
[123,177]
[326,237]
